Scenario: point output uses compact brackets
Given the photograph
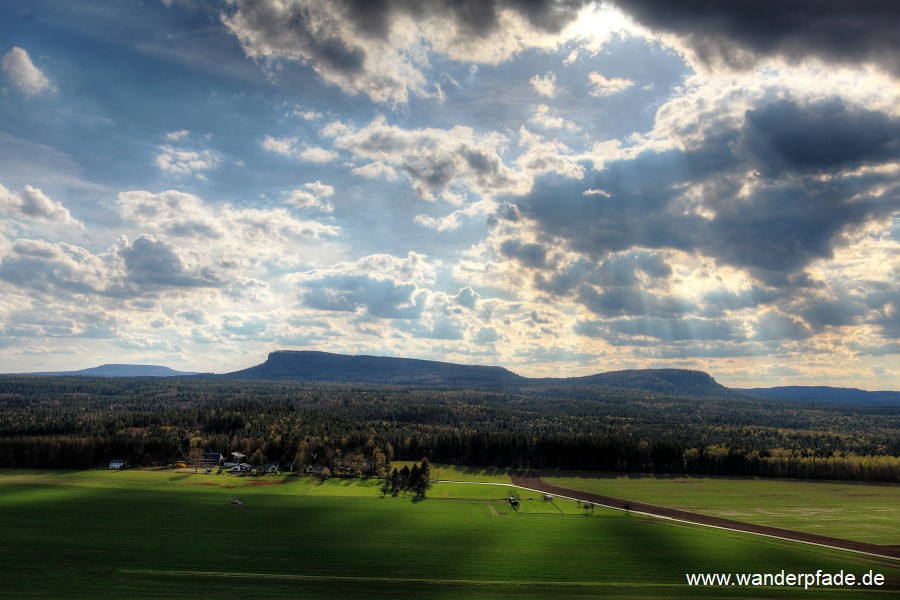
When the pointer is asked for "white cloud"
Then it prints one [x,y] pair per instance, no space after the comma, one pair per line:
[439,163]
[32,203]
[174,136]
[283,146]
[313,195]
[376,170]
[316,154]
[185,215]
[181,162]
[172,212]
[546,85]
[455,219]
[601,86]
[236,241]
[546,117]
[308,115]
[542,156]
[23,74]
[290,146]
[379,286]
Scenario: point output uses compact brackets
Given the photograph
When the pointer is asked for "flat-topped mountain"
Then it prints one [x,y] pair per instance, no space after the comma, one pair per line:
[120,370]
[307,365]
[670,382]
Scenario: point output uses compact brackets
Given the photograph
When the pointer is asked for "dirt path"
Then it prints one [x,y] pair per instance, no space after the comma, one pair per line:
[538,484]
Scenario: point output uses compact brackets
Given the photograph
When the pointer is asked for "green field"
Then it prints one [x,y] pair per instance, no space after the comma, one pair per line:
[853,511]
[142,534]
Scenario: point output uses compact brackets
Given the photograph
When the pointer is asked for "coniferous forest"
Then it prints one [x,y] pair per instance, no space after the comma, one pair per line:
[81,422]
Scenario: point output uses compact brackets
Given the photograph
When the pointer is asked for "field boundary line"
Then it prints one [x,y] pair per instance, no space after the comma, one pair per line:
[799,539]
[360,579]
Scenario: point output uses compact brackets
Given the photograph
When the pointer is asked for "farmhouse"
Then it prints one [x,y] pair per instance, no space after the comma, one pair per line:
[234,459]
[117,463]
[242,468]
[211,459]
[271,468]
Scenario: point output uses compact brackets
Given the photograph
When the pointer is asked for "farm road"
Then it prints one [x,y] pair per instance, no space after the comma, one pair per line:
[539,485]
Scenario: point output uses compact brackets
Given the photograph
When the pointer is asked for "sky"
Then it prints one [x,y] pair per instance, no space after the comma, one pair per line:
[558,187]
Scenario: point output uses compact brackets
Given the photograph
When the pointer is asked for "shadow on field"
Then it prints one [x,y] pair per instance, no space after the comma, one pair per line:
[482,471]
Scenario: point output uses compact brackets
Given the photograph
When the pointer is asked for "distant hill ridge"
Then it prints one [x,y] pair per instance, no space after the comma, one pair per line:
[307,365]
[310,365]
[122,370]
[821,393]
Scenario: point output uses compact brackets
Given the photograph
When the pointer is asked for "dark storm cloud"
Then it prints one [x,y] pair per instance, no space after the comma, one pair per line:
[291,26]
[715,304]
[771,326]
[637,212]
[832,312]
[631,301]
[530,255]
[774,199]
[621,285]
[478,18]
[783,226]
[739,31]
[783,136]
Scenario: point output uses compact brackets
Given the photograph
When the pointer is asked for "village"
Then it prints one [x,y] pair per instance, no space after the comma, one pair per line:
[239,464]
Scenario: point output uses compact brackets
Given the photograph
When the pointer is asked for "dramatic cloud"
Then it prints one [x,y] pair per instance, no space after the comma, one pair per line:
[555,186]
[379,48]
[23,74]
[753,196]
[739,33]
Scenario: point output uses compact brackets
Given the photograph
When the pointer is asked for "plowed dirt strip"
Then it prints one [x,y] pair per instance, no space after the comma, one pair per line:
[536,483]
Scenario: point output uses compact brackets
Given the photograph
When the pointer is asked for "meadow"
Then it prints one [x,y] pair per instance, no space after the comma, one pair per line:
[152,534]
[849,510]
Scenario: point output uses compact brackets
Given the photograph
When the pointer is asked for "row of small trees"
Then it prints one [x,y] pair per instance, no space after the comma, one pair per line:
[415,480]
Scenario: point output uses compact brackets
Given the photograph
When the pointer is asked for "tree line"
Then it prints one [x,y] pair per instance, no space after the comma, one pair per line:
[78,422]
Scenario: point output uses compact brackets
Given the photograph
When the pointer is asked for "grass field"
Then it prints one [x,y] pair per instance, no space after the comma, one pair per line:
[140,534]
[854,511]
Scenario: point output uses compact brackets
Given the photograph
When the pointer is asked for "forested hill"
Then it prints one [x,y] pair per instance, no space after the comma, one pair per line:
[827,394]
[308,365]
[324,366]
